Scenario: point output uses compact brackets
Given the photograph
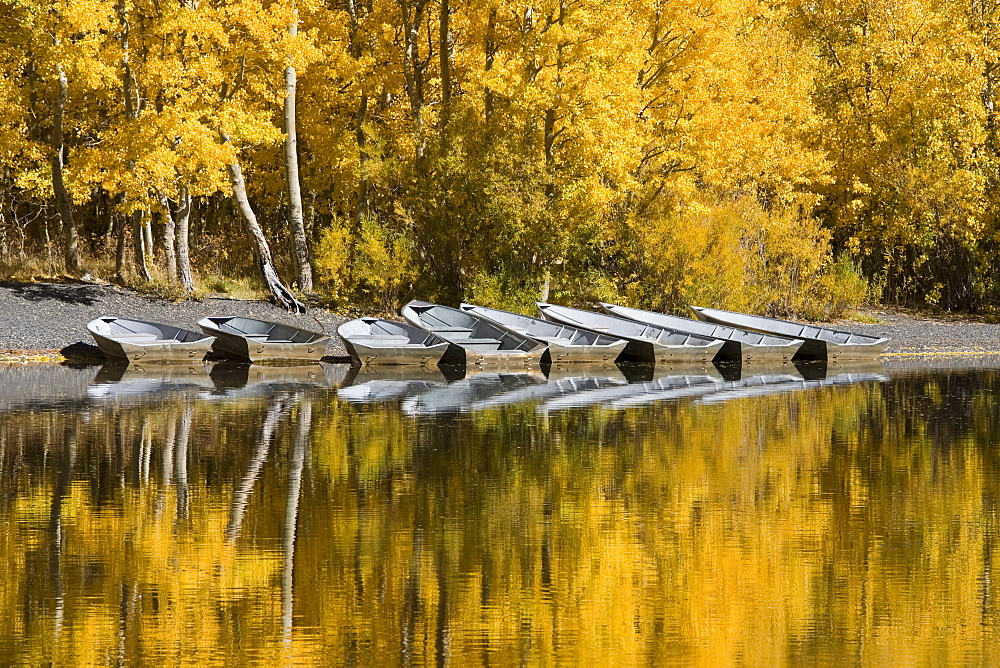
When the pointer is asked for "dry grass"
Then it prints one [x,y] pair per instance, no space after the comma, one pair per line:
[100,268]
[12,357]
[866,317]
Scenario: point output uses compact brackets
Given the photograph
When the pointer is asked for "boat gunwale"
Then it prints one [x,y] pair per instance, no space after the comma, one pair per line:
[781,342]
[652,340]
[612,343]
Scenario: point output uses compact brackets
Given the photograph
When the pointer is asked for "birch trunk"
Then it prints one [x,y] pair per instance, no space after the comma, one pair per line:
[146,221]
[142,234]
[183,226]
[169,238]
[551,134]
[361,206]
[413,74]
[262,251]
[299,239]
[120,229]
[491,50]
[139,245]
[71,247]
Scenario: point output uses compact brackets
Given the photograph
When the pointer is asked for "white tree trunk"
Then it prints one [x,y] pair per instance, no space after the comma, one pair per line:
[299,239]
[183,226]
[262,250]
[63,201]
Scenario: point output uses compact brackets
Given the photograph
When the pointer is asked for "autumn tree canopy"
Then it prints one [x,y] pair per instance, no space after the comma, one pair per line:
[763,156]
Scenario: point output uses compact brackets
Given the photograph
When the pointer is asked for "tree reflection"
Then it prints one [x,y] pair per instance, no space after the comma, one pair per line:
[278,408]
[296,465]
[836,522]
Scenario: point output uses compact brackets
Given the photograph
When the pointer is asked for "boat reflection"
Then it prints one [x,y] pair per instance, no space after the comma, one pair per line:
[423,391]
[462,395]
[708,385]
[757,382]
[663,379]
[371,385]
[135,382]
[668,388]
[235,380]
[558,383]
[228,380]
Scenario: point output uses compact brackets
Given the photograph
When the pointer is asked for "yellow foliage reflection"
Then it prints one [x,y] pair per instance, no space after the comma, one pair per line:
[836,523]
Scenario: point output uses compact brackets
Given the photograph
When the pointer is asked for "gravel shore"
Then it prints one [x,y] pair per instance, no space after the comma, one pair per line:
[53,316]
[926,335]
[49,317]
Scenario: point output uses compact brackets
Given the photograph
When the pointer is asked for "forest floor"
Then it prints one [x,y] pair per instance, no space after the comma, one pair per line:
[48,322]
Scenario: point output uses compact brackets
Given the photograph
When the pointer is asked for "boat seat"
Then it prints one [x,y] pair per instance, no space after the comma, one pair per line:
[481,344]
[455,330]
[375,338]
[134,337]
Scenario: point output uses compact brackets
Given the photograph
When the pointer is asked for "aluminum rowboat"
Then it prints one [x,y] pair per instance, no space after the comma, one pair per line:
[378,341]
[566,343]
[255,340]
[818,342]
[740,345]
[474,340]
[646,343]
[134,340]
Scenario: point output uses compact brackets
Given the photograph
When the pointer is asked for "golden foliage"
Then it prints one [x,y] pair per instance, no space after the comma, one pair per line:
[543,140]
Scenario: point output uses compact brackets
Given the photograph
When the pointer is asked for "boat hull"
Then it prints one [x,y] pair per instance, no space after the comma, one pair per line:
[645,350]
[474,340]
[153,352]
[826,350]
[240,348]
[468,355]
[566,345]
[375,341]
[405,354]
[737,351]
[740,345]
[818,343]
[282,346]
[561,353]
[147,346]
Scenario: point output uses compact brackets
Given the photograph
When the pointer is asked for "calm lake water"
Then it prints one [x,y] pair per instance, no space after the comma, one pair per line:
[227,514]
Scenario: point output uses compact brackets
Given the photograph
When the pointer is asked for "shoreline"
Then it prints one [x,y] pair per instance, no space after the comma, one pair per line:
[46,323]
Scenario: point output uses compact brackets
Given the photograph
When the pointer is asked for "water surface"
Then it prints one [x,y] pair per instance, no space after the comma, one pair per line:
[222,514]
